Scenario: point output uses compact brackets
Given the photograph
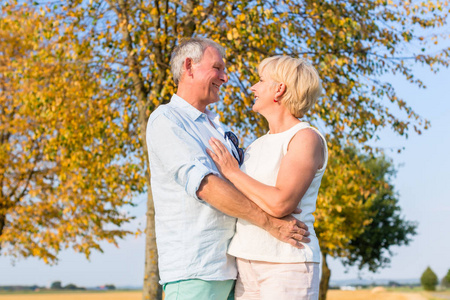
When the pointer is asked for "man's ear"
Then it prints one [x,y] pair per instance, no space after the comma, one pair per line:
[280,89]
[188,66]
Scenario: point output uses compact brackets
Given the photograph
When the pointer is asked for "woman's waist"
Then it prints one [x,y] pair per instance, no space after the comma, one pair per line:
[247,228]
[254,243]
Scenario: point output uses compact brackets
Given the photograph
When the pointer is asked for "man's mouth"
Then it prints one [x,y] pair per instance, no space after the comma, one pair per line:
[216,85]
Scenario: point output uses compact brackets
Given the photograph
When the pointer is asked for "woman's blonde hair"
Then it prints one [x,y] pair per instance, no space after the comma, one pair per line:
[302,82]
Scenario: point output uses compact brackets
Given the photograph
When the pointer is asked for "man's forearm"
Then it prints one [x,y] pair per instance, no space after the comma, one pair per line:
[226,198]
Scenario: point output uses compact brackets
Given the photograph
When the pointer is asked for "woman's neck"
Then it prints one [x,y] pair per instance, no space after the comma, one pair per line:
[281,122]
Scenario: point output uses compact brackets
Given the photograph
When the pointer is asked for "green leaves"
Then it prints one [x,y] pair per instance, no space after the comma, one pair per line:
[429,280]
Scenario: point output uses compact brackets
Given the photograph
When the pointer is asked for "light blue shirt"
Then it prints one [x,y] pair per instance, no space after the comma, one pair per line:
[192,237]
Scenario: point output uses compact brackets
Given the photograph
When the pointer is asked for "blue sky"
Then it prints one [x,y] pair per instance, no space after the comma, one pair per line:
[422,181]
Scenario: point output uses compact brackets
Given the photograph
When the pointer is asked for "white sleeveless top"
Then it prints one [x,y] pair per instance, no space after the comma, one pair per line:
[262,162]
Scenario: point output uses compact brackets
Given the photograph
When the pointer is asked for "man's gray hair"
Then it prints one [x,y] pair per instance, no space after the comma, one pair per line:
[193,48]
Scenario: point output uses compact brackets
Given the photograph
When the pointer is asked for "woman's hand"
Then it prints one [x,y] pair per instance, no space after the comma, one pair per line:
[224,160]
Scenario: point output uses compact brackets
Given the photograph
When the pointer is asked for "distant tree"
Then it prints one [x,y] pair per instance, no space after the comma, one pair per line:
[110,287]
[387,228]
[369,206]
[429,280]
[445,282]
[72,286]
[393,283]
[56,285]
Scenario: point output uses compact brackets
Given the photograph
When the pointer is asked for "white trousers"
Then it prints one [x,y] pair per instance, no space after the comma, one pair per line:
[259,280]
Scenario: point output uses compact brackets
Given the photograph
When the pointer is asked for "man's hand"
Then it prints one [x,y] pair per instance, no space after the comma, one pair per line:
[289,230]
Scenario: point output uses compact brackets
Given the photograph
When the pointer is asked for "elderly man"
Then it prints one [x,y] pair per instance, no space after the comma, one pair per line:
[195,209]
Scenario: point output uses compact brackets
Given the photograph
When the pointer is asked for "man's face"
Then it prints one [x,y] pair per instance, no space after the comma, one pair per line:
[208,76]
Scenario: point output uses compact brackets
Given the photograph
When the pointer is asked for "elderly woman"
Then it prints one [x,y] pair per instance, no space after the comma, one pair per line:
[281,171]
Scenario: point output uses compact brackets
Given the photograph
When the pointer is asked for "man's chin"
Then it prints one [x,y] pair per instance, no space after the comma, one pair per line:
[215,98]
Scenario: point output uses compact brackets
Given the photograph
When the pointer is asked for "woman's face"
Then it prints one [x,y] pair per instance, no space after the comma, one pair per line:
[264,91]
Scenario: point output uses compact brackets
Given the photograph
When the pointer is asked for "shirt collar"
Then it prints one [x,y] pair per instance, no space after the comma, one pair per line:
[193,113]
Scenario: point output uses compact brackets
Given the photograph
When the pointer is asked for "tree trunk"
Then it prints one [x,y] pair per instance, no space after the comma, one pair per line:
[2,225]
[325,280]
[151,290]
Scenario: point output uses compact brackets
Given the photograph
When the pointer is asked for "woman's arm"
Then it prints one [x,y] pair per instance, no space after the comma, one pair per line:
[297,170]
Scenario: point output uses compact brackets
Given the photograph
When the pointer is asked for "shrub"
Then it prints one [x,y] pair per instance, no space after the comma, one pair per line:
[429,280]
[445,282]
[56,285]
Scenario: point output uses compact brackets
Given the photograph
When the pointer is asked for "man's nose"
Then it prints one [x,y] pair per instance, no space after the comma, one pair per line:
[224,77]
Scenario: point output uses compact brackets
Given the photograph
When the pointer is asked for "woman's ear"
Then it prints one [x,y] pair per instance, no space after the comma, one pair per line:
[280,89]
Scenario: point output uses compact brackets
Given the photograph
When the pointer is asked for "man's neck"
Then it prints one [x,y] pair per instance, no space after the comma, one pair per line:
[186,95]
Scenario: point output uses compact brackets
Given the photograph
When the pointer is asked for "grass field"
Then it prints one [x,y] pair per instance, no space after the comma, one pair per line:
[126,295]
[369,295]
[137,295]
[383,294]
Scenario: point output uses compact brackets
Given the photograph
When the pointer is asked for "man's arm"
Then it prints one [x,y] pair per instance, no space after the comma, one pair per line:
[226,198]
[296,172]
[184,157]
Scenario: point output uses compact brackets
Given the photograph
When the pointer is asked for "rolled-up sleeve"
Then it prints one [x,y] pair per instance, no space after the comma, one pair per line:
[181,155]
